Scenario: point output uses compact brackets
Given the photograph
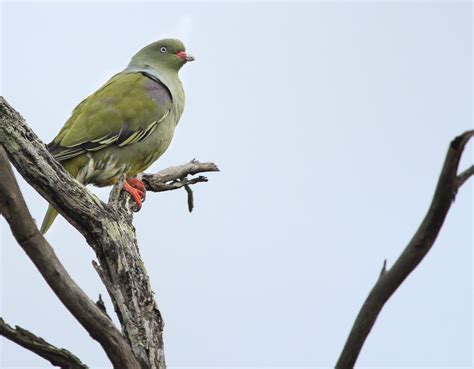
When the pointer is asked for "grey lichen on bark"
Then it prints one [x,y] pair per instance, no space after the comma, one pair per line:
[107,228]
[13,208]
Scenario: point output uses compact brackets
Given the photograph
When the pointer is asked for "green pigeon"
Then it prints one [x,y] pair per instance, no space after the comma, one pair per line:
[127,124]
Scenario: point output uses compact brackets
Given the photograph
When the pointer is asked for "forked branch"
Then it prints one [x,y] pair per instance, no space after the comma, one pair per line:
[390,279]
[107,228]
[23,227]
[175,177]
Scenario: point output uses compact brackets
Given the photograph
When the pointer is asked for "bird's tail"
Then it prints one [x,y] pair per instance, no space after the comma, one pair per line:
[51,214]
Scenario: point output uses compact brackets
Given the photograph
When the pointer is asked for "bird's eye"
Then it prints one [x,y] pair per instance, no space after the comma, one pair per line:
[163,49]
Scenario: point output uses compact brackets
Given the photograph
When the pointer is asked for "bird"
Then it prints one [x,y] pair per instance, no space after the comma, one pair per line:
[126,125]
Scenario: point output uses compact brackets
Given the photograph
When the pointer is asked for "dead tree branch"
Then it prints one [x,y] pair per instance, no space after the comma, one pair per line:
[390,279]
[58,357]
[175,177]
[107,228]
[23,227]
[153,181]
[464,176]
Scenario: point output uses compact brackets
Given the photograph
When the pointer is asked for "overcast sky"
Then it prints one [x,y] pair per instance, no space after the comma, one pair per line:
[329,121]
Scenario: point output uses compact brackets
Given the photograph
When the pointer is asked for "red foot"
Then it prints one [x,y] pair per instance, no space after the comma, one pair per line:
[136,189]
[136,183]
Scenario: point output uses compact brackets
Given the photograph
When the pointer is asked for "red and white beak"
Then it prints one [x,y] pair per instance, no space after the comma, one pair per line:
[184,56]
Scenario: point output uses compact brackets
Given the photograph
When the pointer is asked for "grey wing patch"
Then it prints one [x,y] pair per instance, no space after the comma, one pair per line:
[161,95]
[157,90]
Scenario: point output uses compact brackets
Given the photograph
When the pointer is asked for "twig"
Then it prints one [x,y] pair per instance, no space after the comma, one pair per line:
[415,251]
[58,357]
[384,268]
[158,186]
[153,181]
[189,191]
[174,178]
[100,304]
[464,176]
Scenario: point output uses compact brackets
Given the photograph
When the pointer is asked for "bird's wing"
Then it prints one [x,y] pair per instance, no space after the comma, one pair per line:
[124,111]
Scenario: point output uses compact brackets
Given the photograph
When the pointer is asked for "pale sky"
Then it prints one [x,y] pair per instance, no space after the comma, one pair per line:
[329,121]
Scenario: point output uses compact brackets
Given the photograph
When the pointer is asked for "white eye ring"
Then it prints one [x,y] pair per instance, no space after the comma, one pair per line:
[163,49]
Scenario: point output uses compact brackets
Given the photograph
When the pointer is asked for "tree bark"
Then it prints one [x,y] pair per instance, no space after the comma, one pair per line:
[108,229]
[23,227]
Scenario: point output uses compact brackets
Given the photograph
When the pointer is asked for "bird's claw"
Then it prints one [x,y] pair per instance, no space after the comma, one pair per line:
[136,189]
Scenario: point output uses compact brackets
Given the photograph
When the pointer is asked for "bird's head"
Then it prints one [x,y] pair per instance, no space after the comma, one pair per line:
[168,53]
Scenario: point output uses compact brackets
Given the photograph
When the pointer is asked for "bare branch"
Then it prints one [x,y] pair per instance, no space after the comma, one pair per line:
[13,208]
[464,176]
[189,191]
[58,357]
[413,254]
[174,178]
[156,186]
[153,182]
[384,268]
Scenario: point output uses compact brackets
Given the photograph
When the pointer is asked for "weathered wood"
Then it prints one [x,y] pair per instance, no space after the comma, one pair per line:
[97,324]
[154,181]
[58,357]
[107,228]
[418,247]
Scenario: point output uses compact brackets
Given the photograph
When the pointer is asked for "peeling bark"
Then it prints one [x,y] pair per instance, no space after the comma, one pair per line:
[107,228]
[23,227]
